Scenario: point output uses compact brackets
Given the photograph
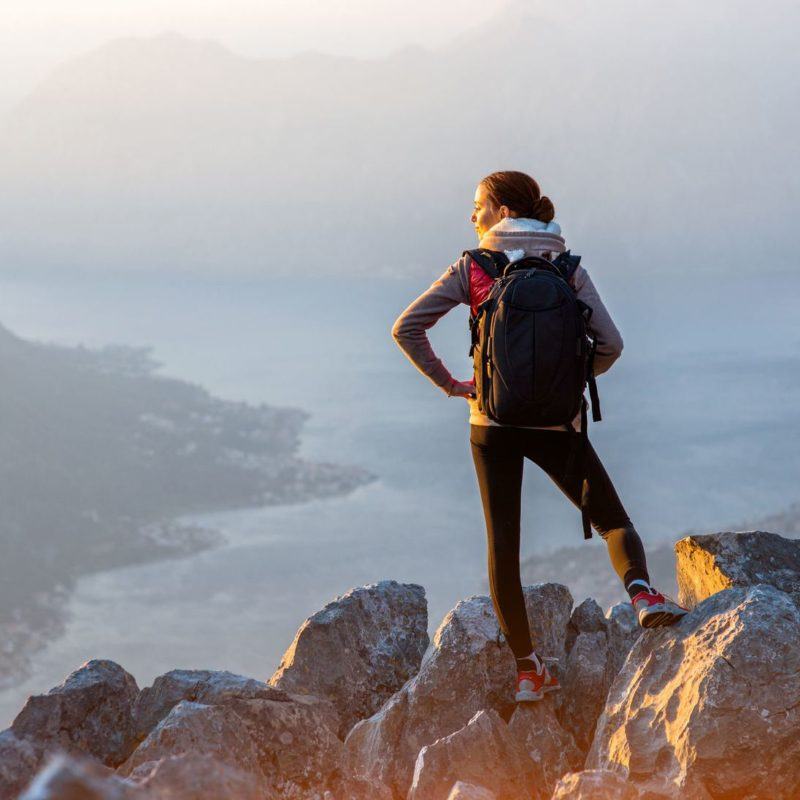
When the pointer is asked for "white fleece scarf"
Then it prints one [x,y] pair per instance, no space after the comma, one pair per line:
[523,225]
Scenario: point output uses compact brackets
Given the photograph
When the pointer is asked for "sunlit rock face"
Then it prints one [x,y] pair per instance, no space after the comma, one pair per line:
[717,561]
[469,791]
[552,751]
[473,753]
[595,784]
[469,668]
[711,706]
[359,649]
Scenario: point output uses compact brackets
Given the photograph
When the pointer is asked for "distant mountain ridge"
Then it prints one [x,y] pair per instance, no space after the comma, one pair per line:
[663,135]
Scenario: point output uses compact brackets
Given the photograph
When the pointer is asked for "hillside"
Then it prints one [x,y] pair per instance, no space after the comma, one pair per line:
[98,455]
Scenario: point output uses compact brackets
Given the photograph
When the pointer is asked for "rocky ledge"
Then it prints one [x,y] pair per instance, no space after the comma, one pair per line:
[363,706]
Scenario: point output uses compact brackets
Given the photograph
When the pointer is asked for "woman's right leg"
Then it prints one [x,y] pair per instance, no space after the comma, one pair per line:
[498,465]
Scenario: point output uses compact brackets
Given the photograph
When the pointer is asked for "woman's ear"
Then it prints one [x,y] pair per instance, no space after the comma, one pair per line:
[504,212]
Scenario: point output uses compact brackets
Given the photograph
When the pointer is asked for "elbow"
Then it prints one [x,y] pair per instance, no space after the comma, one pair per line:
[398,330]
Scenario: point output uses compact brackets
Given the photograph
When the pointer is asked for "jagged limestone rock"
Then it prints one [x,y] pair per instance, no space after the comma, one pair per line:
[359,649]
[198,686]
[68,778]
[295,735]
[19,760]
[200,730]
[469,791]
[90,712]
[551,749]
[595,784]
[623,631]
[484,752]
[467,669]
[710,707]
[713,562]
[195,777]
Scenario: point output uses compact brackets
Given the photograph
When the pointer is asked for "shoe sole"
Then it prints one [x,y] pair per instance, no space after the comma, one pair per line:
[659,619]
[531,697]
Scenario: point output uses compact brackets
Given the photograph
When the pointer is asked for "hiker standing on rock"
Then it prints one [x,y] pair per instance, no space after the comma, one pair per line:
[540,335]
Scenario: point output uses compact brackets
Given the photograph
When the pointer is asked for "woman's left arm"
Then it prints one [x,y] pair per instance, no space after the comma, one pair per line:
[451,289]
[609,339]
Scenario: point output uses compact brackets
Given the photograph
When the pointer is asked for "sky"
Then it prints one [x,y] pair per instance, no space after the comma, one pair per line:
[37,35]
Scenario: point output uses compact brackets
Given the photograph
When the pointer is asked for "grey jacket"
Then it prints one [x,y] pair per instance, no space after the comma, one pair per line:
[515,237]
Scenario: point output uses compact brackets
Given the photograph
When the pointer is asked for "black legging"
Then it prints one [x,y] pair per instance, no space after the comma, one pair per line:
[499,453]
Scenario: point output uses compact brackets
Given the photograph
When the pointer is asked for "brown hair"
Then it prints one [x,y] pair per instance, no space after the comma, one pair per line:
[520,193]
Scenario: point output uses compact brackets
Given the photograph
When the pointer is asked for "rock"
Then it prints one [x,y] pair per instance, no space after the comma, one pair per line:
[594,784]
[357,789]
[67,778]
[484,752]
[298,749]
[585,618]
[197,686]
[469,791]
[214,732]
[91,712]
[195,777]
[585,685]
[19,760]
[550,748]
[294,735]
[717,561]
[359,649]
[710,707]
[467,669]
[623,631]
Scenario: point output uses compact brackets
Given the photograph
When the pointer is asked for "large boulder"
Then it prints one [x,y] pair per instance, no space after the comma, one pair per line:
[551,749]
[623,631]
[214,732]
[195,777]
[595,784]
[90,712]
[587,675]
[19,760]
[713,562]
[68,778]
[198,686]
[710,707]
[467,669]
[469,791]
[359,649]
[294,735]
[484,752]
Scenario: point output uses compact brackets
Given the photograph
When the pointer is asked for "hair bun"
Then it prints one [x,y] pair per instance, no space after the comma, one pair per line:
[544,210]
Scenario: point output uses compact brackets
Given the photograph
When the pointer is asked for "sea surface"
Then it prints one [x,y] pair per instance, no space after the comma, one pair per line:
[700,432]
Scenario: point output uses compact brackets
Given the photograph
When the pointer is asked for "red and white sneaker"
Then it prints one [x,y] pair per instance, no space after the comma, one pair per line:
[654,609]
[533,685]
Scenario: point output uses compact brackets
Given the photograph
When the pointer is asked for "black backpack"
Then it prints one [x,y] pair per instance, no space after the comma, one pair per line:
[532,349]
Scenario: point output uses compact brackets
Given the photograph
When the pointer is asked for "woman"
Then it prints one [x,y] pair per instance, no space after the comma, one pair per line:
[512,216]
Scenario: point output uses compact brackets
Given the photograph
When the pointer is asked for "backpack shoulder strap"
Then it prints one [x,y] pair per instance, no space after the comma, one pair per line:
[567,264]
[491,262]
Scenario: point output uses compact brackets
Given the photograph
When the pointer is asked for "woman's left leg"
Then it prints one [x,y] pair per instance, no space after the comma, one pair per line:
[550,450]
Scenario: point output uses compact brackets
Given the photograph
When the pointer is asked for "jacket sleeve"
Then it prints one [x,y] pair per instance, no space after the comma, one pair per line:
[409,330]
[609,340]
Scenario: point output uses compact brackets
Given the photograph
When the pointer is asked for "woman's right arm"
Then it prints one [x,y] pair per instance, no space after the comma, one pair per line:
[409,330]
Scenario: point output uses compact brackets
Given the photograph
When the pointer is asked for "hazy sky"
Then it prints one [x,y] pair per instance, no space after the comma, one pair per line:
[35,35]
